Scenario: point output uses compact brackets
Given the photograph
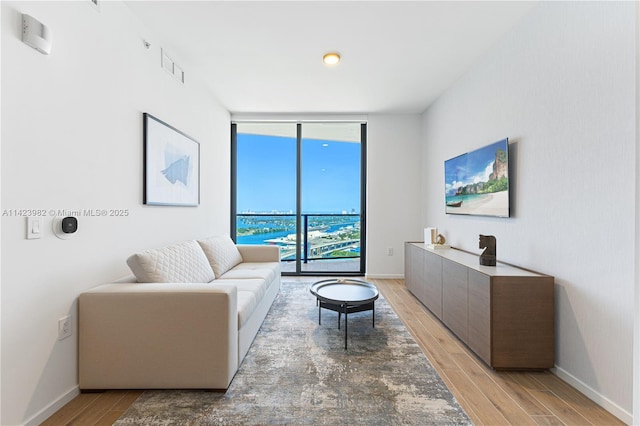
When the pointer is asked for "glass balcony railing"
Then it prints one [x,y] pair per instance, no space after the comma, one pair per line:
[322,236]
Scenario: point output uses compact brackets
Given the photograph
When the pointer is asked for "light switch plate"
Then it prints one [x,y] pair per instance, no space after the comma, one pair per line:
[34,227]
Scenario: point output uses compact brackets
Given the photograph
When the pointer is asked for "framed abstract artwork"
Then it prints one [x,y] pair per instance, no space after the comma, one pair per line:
[171,165]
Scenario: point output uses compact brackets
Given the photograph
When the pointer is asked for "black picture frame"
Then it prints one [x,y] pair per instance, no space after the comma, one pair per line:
[171,165]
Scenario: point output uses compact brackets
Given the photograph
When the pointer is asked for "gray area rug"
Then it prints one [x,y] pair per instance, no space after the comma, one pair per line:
[298,372]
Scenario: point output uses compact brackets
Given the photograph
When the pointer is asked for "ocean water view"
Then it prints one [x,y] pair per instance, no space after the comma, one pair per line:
[329,236]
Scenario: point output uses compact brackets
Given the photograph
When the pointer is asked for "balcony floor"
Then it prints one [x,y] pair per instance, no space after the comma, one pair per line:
[339,266]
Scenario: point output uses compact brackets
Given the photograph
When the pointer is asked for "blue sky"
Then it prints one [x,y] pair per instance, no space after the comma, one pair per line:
[473,167]
[267,175]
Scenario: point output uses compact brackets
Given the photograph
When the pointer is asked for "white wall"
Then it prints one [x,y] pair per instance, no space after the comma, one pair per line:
[393,191]
[561,86]
[636,340]
[72,139]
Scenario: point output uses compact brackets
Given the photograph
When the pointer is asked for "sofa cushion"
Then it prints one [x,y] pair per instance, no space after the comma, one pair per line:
[180,263]
[256,286]
[221,252]
[265,270]
[247,303]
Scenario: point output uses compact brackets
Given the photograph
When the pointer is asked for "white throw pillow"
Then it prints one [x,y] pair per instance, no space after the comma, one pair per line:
[180,263]
[221,252]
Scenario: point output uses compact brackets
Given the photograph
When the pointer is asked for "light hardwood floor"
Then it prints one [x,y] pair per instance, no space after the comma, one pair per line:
[488,397]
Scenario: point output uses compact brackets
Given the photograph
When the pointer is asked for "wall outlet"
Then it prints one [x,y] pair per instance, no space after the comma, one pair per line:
[389,251]
[64,327]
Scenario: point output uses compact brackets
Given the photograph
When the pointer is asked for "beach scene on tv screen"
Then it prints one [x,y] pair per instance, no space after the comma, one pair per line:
[477,183]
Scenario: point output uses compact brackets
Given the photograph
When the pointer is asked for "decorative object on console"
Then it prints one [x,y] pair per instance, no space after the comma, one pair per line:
[477,183]
[488,256]
[171,165]
[430,235]
[437,240]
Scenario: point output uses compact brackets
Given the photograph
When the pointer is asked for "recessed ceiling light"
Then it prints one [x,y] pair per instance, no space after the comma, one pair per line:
[331,58]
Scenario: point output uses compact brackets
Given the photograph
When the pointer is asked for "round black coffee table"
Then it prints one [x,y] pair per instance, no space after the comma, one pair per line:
[345,296]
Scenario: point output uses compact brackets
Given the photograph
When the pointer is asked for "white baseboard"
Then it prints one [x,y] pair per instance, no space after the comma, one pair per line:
[50,409]
[385,276]
[595,396]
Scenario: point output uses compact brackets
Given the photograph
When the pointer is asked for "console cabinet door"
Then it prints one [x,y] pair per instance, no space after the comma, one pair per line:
[455,297]
[414,270]
[479,339]
[522,327]
[433,283]
[409,276]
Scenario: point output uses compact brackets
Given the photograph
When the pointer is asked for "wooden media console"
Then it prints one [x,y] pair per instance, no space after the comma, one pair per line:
[502,313]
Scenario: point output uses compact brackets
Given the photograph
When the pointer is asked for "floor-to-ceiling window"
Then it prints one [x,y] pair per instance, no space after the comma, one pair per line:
[301,186]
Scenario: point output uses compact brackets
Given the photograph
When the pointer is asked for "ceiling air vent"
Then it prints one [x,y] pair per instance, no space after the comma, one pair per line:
[171,67]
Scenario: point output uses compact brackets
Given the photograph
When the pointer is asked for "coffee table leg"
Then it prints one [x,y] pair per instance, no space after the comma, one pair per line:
[319,314]
[345,326]
[373,314]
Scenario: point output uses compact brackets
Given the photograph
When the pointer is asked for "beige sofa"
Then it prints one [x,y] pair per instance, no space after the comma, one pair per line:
[185,320]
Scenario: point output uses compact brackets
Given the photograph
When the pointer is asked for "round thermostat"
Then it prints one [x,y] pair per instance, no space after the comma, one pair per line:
[64,227]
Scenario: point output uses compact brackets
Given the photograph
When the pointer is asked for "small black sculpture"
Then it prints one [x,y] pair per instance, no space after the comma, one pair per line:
[488,256]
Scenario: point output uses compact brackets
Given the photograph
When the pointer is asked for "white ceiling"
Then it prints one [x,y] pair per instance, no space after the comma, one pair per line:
[266,56]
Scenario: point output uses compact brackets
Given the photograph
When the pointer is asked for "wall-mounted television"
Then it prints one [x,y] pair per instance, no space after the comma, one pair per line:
[477,183]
